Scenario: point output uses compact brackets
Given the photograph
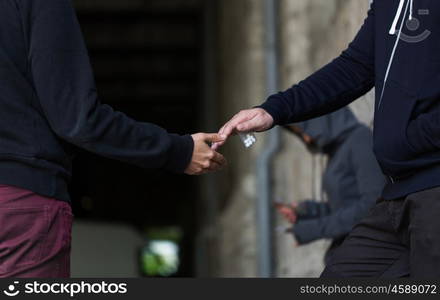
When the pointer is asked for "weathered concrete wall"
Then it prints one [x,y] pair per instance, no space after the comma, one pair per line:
[241,85]
[312,32]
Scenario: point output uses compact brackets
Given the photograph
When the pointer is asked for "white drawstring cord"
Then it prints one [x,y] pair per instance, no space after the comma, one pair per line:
[387,73]
[396,18]
[399,12]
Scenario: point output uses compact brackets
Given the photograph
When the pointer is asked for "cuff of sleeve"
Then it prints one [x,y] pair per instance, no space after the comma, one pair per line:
[273,109]
[306,232]
[180,154]
[416,139]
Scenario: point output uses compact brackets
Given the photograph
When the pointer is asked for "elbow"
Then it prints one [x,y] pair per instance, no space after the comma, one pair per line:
[75,133]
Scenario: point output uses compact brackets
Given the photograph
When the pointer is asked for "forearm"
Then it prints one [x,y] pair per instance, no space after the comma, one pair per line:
[342,81]
[331,88]
[65,88]
[114,135]
[310,209]
[332,226]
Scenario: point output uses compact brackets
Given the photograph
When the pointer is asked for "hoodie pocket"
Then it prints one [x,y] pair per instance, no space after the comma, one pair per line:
[391,145]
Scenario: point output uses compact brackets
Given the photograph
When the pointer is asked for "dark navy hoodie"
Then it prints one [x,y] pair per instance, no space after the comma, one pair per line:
[49,105]
[397,50]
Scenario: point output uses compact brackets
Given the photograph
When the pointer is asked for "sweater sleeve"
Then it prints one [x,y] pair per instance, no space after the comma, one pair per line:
[370,182]
[337,84]
[66,91]
[311,209]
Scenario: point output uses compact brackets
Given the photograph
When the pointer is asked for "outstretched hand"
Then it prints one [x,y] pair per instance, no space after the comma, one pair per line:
[288,212]
[251,120]
[205,159]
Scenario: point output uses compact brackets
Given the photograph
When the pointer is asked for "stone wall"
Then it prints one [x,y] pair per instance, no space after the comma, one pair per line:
[312,32]
[241,85]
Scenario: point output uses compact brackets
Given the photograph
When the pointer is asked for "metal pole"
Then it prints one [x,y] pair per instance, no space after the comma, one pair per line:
[264,164]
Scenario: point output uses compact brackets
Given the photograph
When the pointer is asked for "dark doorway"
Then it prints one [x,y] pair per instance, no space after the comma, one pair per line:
[147,61]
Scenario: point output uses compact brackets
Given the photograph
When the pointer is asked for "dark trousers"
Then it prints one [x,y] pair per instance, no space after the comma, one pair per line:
[399,238]
[35,235]
[336,243]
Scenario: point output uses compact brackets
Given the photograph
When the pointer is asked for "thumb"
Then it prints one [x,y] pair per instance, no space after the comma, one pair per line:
[213,138]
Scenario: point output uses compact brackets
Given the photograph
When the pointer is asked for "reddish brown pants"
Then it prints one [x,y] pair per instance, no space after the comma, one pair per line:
[35,235]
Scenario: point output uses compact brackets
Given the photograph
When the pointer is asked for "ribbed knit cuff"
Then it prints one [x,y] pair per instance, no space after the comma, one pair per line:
[306,231]
[273,110]
[181,152]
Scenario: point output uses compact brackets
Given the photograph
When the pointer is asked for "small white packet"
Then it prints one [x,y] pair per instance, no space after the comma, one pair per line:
[248,139]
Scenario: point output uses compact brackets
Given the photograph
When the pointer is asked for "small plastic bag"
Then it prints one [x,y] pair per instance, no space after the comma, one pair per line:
[248,139]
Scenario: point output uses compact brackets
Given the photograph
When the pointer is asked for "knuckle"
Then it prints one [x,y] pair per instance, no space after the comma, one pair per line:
[198,136]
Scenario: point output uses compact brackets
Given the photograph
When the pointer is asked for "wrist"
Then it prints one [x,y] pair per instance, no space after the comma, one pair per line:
[273,110]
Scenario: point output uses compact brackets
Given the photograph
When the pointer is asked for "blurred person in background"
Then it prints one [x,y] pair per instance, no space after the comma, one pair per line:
[50,107]
[352,179]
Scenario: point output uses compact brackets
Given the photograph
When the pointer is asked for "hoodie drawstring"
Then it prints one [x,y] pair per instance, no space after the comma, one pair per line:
[399,12]
[396,18]
[393,29]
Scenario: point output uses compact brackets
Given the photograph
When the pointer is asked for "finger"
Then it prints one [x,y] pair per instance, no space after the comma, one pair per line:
[192,173]
[292,220]
[215,146]
[228,129]
[282,212]
[278,205]
[218,158]
[222,129]
[234,118]
[286,214]
[219,144]
[248,126]
[279,208]
[214,167]
[288,217]
[231,127]
[213,137]
[286,208]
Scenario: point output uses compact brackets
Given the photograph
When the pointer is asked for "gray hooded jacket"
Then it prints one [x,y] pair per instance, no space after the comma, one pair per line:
[352,181]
